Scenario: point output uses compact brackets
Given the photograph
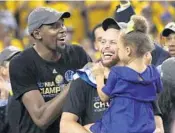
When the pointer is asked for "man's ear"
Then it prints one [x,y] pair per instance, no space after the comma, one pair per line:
[37,34]
[128,51]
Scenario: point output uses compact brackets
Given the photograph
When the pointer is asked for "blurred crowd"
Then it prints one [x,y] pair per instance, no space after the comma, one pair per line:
[85,16]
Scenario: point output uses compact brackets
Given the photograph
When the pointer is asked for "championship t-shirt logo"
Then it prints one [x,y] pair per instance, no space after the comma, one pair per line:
[69,75]
[59,80]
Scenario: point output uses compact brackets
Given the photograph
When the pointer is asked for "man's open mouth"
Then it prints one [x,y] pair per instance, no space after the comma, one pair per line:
[107,55]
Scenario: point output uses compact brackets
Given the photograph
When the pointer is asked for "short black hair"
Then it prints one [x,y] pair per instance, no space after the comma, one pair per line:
[93,32]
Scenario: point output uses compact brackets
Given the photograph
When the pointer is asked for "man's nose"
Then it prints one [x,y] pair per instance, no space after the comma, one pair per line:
[107,45]
[63,31]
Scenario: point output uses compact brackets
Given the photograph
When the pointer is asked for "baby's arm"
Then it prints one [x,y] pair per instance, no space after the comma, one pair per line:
[105,91]
[100,85]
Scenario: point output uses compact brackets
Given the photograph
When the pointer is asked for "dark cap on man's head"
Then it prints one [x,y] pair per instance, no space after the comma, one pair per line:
[44,15]
[169,28]
[8,53]
[108,22]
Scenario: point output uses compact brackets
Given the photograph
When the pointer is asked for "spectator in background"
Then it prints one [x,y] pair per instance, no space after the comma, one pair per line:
[167,97]
[96,38]
[9,20]
[7,35]
[27,40]
[169,34]
[3,34]
[5,88]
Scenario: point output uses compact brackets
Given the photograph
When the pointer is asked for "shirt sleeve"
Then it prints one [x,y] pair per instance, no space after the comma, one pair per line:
[110,84]
[22,77]
[76,98]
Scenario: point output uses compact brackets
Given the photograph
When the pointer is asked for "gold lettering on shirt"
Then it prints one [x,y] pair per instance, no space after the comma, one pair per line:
[100,104]
[49,84]
[50,90]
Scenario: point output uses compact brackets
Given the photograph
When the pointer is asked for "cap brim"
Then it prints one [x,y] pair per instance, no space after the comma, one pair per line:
[109,22]
[65,15]
[166,32]
[54,18]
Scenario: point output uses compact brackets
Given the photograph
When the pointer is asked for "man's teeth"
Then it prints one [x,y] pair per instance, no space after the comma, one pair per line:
[107,54]
[61,39]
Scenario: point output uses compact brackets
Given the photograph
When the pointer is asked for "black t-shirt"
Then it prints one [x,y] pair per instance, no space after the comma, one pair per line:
[84,102]
[28,71]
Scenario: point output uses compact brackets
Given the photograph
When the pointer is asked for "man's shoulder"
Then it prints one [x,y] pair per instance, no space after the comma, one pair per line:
[74,48]
[160,50]
[23,59]
[24,56]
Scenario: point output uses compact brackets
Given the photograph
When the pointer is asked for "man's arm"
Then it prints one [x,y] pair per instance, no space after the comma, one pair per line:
[24,86]
[74,107]
[43,113]
[157,117]
[159,124]
[69,124]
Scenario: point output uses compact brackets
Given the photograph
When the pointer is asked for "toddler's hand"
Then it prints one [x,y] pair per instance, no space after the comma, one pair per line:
[98,70]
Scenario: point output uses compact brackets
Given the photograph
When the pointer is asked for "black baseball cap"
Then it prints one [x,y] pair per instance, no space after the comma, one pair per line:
[110,21]
[44,15]
[169,28]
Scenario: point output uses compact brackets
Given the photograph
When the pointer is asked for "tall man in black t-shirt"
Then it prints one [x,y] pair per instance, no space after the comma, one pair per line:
[82,101]
[39,74]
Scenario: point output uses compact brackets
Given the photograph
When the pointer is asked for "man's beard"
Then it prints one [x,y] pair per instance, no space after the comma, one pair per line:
[61,50]
[111,63]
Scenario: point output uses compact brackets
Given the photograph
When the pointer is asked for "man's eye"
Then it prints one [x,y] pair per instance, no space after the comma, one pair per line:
[113,43]
[103,41]
[99,40]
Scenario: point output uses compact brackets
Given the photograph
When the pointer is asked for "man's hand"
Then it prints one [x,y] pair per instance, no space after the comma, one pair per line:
[159,125]
[106,72]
